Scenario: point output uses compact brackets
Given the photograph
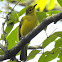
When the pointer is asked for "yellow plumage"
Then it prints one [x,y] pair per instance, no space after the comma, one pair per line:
[28,23]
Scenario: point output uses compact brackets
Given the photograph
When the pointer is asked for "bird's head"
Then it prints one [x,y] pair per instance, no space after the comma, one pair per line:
[30,10]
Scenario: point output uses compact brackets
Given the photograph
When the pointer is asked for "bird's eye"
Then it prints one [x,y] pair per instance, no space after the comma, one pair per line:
[30,9]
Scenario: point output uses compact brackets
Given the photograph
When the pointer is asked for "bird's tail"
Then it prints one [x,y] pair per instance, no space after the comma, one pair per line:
[23,55]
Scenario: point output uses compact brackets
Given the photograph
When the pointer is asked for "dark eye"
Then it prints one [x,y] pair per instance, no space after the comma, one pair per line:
[30,9]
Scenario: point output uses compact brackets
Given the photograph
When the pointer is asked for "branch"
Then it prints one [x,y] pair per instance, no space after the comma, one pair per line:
[3,48]
[12,52]
[4,33]
[34,47]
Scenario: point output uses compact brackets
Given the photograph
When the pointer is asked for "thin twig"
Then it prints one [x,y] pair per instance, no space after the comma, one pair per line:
[4,33]
[16,4]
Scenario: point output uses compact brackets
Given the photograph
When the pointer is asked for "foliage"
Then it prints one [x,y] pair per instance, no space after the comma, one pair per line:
[32,54]
[11,35]
[49,4]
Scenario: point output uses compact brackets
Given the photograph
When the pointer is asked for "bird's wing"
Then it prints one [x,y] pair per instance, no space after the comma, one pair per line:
[21,22]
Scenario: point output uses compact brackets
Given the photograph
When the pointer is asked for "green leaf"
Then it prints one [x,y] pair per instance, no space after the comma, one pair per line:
[41,16]
[60,2]
[47,56]
[60,56]
[9,27]
[52,12]
[12,38]
[58,43]
[55,49]
[1,52]
[22,11]
[13,17]
[59,34]
[49,40]
[32,54]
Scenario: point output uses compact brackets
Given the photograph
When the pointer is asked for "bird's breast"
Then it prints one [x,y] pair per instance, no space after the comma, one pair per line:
[28,25]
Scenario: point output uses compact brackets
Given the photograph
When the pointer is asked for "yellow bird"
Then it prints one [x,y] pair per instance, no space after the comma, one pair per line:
[28,23]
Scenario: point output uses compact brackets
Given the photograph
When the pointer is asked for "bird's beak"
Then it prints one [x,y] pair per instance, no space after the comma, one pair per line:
[34,5]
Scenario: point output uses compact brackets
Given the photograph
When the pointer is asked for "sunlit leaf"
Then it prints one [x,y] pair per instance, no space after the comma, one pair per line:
[22,11]
[51,4]
[41,4]
[47,56]
[9,27]
[32,54]
[12,38]
[49,40]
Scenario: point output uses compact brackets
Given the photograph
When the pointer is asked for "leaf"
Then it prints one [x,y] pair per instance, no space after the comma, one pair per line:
[41,16]
[59,34]
[51,38]
[9,27]
[60,2]
[13,17]
[55,49]
[1,52]
[48,40]
[41,4]
[51,4]
[12,38]
[22,11]
[58,43]
[52,12]
[47,56]
[60,56]
[32,54]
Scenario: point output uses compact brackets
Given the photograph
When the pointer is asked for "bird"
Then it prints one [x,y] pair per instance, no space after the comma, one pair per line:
[27,24]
